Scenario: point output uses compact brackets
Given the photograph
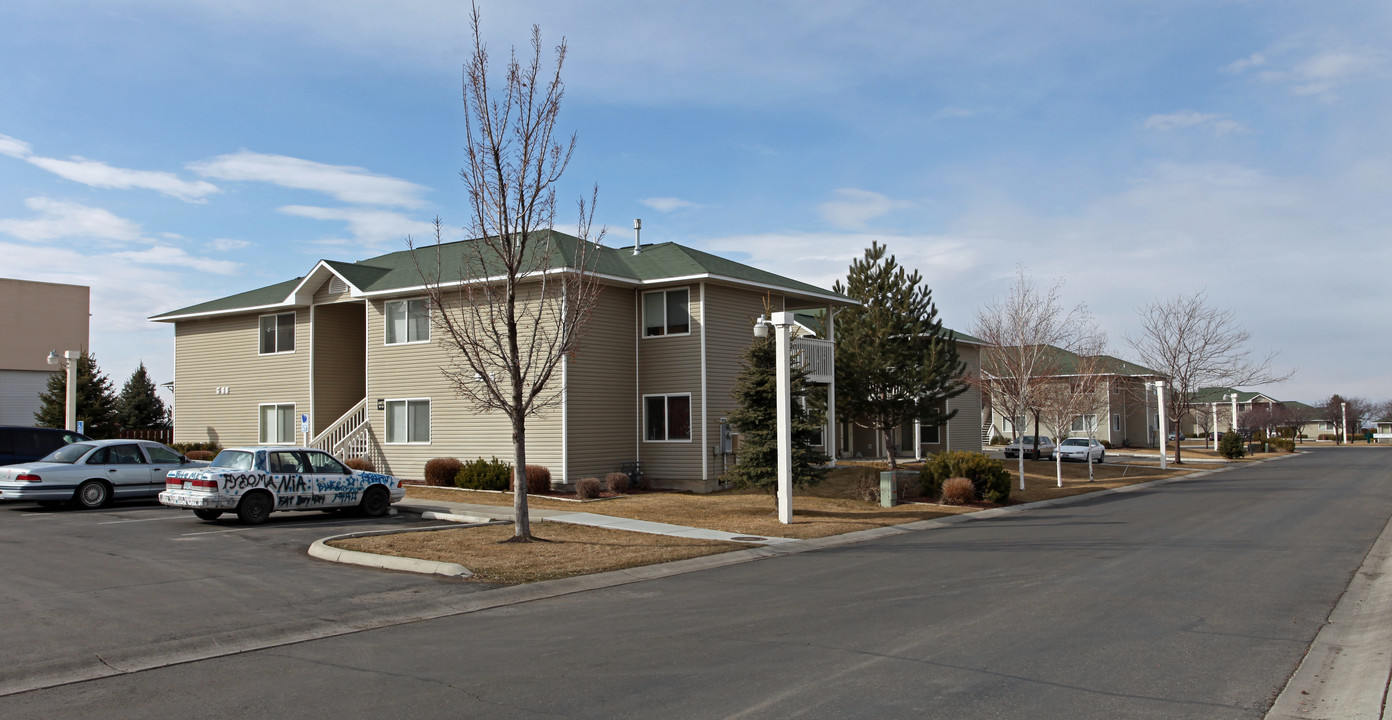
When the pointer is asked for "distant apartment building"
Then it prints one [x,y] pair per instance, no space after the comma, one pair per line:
[36,318]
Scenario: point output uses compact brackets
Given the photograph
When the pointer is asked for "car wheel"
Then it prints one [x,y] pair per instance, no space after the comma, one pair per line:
[209,515]
[254,508]
[375,501]
[1101,457]
[92,494]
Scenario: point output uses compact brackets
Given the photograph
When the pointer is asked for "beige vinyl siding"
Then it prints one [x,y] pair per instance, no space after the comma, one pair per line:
[729,334]
[600,390]
[340,379]
[223,352]
[413,371]
[671,365]
[964,430]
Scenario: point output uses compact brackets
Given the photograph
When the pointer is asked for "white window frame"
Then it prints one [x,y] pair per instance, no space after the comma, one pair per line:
[386,321]
[429,425]
[1081,422]
[294,430]
[643,313]
[294,319]
[1116,422]
[666,430]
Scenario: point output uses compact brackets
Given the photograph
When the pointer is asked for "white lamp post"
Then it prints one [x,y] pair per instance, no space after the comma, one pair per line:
[1214,415]
[783,324]
[1343,412]
[1160,400]
[71,357]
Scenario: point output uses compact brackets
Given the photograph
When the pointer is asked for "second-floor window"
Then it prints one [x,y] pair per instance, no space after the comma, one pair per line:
[278,333]
[408,321]
[666,312]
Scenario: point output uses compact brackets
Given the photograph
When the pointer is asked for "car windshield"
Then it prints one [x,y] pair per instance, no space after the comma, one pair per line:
[234,460]
[68,453]
[1029,439]
[1075,441]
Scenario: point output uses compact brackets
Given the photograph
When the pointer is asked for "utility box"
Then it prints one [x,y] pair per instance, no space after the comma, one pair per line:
[889,485]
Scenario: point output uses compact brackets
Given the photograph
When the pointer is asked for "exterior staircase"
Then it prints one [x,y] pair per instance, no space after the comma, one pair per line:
[986,432]
[351,436]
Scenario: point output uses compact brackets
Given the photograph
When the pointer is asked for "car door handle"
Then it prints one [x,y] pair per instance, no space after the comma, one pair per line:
[111,469]
[154,469]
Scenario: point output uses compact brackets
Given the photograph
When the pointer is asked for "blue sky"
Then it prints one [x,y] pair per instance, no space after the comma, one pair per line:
[166,152]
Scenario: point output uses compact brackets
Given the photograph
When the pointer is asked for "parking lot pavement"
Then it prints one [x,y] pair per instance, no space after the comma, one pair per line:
[139,580]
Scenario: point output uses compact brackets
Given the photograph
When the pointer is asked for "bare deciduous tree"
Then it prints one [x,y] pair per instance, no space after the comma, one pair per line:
[1020,338]
[513,302]
[1078,390]
[1196,345]
[1336,407]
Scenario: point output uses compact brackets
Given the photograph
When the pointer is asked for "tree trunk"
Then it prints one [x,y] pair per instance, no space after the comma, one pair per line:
[521,524]
[1058,465]
[889,447]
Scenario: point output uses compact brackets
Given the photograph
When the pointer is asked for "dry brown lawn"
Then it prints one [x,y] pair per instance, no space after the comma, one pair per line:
[570,550]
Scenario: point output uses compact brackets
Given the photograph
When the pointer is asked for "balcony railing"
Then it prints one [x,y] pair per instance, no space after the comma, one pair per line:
[817,357]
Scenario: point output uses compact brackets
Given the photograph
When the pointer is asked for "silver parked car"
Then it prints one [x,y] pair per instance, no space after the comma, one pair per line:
[1082,449]
[1025,445]
[94,472]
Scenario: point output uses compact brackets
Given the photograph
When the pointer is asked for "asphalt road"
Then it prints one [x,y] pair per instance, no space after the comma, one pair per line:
[79,588]
[1194,599]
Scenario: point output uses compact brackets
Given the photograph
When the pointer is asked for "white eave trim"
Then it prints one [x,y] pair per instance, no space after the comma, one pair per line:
[314,275]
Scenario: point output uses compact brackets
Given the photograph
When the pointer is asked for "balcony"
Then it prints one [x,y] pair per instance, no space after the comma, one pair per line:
[817,357]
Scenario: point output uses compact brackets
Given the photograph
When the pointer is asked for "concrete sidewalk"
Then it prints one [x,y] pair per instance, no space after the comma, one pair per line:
[472,513]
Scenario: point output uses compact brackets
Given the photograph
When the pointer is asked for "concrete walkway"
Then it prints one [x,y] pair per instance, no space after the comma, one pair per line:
[472,513]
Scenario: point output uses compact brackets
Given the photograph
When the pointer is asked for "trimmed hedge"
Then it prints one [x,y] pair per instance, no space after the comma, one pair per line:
[440,471]
[361,463]
[483,474]
[587,488]
[988,476]
[617,482]
[538,480]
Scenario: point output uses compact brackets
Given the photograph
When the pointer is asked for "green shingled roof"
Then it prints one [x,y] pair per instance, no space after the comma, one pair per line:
[397,271]
[1220,395]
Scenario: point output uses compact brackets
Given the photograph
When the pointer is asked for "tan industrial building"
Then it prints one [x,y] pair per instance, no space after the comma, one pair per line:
[36,318]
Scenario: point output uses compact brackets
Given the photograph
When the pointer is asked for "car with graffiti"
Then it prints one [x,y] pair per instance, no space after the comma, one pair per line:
[256,481]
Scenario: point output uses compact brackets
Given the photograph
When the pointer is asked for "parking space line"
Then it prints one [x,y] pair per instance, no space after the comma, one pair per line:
[167,517]
[278,525]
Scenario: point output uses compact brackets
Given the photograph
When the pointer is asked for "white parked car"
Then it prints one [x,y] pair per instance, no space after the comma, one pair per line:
[1082,449]
[92,473]
[1026,445]
[255,481]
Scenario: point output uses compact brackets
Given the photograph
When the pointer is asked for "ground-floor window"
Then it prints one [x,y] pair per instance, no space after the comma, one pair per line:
[1084,423]
[408,421]
[667,418]
[1116,421]
[930,434]
[277,424]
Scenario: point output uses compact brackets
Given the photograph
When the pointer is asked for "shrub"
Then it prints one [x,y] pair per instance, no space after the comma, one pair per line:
[361,463]
[866,487]
[483,474]
[1327,436]
[538,480]
[186,447]
[988,476]
[1281,444]
[440,471]
[587,488]
[617,482]
[200,455]
[1232,446]
[1105,444]
[958,491]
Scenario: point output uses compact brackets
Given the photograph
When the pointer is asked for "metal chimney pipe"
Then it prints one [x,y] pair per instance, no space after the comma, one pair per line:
[637,229]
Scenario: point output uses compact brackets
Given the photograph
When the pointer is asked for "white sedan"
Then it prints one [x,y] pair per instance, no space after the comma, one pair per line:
[1025,446]
[1082,449]
[93,473]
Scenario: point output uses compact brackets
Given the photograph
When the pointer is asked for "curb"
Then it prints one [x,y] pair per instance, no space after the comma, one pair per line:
[320,549]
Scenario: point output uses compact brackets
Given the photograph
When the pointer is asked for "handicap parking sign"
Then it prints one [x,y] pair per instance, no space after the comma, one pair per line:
[304,423]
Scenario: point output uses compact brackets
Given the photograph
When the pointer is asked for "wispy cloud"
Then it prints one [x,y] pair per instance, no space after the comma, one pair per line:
[95,173]
[853,208]
[1220,124]
[345,182]
[667,204]
[371,228]
[951,113]
[227,244]
[1242,65]
[177,257]
[1317,73]
[61,219]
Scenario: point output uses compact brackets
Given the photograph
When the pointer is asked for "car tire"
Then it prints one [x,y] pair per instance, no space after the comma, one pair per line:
[92,494]
[209,515]
[376,501]
[1101,457]
[254,508]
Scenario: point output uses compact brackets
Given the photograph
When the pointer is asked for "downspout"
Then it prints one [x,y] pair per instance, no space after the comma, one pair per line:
[705,426]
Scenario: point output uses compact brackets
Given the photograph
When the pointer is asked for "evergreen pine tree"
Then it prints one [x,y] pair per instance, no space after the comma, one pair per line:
[894,362]
[756,420]
[96,400]
[138,407]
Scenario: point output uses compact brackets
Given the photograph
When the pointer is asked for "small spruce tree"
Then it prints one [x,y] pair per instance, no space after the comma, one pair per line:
[1232,446]
[96,400]
[756,420]
[138,407]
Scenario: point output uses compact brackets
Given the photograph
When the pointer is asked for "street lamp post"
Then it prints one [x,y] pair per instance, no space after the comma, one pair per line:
[1214,415]
[1232,421]
[1160,400]
[70,409]
[1343,412]
[783,324]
